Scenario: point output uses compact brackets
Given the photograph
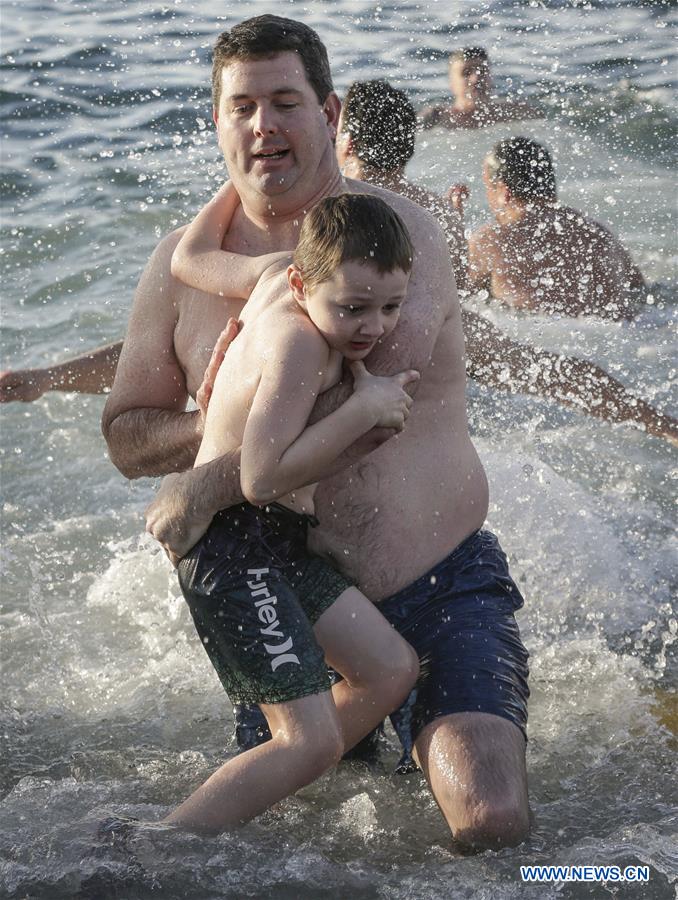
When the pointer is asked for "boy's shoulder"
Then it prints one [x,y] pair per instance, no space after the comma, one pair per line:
[289,336]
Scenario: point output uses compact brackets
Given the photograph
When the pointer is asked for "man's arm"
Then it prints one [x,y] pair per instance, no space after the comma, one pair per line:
[89,373]
[144,422]
[480,253]
[432,116]
[494,359]
[186,503]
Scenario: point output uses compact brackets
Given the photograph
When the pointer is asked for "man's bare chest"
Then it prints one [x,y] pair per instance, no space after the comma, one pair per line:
[201,319]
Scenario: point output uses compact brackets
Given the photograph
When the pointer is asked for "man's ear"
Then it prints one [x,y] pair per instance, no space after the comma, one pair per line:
[506,195]
[296,283]
[344,148]
[215,116]
[332,109]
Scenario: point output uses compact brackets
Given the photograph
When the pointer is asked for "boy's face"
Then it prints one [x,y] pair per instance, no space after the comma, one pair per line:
[497,194]
[356,307]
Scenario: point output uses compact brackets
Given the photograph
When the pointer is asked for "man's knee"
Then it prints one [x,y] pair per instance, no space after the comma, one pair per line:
[485,804]
[491,825]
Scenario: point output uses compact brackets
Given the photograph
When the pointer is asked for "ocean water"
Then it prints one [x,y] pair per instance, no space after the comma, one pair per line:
[108,702]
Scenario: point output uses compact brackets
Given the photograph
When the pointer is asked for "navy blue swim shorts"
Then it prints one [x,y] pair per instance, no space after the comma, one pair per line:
[459,617]
[254,592]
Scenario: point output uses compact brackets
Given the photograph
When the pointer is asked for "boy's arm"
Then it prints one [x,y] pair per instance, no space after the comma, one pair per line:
[280,451]
[89,373]
[200,262]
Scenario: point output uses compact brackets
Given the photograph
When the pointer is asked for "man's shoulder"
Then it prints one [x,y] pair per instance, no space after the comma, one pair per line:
[167,244]
[434,115]
[486,234]
[582,221]
[507,109]
[419,220]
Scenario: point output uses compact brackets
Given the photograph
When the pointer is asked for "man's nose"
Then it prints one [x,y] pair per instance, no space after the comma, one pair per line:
[265,122]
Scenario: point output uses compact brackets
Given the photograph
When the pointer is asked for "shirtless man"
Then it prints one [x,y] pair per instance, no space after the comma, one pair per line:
[474,106]
[414,504]
[375,142]
[541,256]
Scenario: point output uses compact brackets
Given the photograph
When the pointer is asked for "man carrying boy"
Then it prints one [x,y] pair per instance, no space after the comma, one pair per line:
[405,520]
[268,612]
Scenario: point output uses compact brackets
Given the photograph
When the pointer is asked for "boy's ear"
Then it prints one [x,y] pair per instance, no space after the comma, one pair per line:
[215,116]
[296,283]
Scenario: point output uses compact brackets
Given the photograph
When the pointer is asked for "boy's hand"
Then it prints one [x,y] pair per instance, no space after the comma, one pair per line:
[385,397]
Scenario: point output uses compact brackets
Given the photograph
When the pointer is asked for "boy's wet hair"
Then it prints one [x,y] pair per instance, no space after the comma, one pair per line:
[381,123]
[478,54]
[525,167]
[351,227]
[262,37]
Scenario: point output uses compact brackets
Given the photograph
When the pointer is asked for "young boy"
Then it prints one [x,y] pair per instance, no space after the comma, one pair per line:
[269,613]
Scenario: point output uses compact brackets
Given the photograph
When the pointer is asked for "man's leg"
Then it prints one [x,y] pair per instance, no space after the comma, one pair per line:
[475,766]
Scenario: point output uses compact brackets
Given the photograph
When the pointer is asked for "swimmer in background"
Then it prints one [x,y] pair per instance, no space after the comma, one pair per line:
[375,141]
[474,105]
[541,256]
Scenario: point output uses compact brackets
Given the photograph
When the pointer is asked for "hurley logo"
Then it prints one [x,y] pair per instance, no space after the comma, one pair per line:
[269,617]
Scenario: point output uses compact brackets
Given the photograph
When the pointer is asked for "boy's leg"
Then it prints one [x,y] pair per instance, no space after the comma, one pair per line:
[379,667]
[306,741]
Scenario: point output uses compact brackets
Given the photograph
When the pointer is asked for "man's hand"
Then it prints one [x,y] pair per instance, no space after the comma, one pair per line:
[25,385]
[659,424]
[386,395]
[174,519]
[457,194]
[202,397]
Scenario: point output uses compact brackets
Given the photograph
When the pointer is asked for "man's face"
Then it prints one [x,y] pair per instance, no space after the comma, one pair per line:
[495,190]
[274,134]
[356,307]
[470,78]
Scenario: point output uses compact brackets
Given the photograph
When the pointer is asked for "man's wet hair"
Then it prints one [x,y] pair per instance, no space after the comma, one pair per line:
[351,227]
[262,37]
[525,167]
[381,122]
[478,54]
